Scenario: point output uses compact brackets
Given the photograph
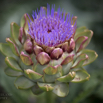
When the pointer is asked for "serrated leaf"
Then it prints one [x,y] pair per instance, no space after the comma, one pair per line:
[67,78]
[12,73]
[81,76]
[46,86]
[6,50]
[13,64]
[61,89]
[32,75]
[23,83]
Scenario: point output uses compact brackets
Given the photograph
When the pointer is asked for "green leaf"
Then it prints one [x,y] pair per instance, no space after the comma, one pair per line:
[39,68]
[23,66]
[67,59]
[23,83]
[51,70]
[51,78]
[61,89]
[24,22]
[76,69]
[66,68]
[26,59]
[91,54]
[80,29]
[80,60]
[12,63]
[6,50]
[13,46]
[67,78]
[87,33]
[81,43]
[36,90]
[46,86]
[32,75]
[15,32]
[12,73]
[81,76]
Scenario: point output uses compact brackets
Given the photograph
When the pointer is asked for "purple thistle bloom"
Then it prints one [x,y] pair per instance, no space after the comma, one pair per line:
[51,28]
[47,52]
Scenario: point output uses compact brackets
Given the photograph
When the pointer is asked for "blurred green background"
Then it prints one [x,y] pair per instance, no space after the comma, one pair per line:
[90,14]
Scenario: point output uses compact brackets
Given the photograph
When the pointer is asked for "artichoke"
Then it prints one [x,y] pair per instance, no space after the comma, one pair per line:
[47,52]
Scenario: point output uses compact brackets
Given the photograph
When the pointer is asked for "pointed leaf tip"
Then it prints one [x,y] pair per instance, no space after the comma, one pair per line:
[46,86]
[81,76]
[26,59]
[92,55]
[32,75]
[67,78]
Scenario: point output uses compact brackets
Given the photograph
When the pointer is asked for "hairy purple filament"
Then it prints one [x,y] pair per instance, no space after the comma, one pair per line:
[51,28]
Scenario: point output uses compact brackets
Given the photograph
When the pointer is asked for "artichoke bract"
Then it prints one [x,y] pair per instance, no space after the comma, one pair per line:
[47,51]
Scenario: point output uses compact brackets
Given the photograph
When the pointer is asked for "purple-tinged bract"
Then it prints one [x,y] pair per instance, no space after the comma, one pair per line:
[51,28]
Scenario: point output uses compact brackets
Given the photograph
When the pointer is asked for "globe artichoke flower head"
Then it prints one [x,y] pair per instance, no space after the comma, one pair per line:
[47,51]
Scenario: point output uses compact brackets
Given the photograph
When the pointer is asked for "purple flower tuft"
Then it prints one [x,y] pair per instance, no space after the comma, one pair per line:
[51,28]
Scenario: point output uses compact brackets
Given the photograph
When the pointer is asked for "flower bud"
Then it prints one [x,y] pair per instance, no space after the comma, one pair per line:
[49,49]
[71,45]
[28,46]
[65,46]
[37,49]
[21,35]
[43,58]
[56,53]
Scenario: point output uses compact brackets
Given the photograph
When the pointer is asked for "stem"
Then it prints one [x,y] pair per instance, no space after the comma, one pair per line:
[50,98]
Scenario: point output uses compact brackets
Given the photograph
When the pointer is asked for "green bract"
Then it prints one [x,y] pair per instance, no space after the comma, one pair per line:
[43,68]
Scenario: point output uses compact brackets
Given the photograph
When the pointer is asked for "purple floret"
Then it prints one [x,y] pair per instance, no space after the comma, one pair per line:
[51,28]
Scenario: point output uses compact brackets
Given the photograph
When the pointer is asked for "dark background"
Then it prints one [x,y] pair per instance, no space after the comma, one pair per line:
[90,14]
